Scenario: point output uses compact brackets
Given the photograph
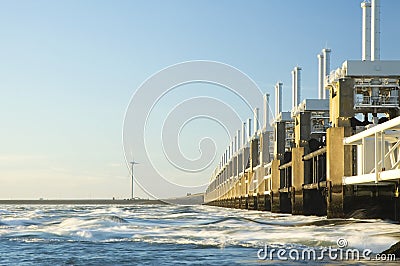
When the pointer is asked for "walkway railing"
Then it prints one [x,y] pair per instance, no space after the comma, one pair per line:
[378,153]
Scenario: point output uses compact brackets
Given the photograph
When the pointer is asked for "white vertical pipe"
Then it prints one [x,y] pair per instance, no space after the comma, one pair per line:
[244,136]
[278,98]
[375,30]
[266,112]
[235,144]
[366,31]
[327,68]
[267,123]
[249,129]
[294,96]
[256,119]
[238,143]
[298,85]
[321,77]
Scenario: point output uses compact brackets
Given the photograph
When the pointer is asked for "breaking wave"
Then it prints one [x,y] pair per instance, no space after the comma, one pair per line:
[163,227]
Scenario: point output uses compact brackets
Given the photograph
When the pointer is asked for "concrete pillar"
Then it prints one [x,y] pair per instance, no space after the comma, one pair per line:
[276,176]
[297,180]
[339,164]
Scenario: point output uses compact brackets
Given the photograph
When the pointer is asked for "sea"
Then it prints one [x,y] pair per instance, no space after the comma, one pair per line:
[185,235]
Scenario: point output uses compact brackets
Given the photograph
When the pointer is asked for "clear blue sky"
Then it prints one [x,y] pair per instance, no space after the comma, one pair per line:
[69,68]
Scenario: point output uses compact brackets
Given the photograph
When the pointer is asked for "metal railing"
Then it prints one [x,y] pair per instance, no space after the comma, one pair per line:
[368,101]
[383,141]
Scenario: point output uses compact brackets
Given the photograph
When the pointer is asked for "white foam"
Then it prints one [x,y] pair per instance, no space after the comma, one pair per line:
[200,225]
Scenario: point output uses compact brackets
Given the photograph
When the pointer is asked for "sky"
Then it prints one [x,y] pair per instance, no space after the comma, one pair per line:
[68,70]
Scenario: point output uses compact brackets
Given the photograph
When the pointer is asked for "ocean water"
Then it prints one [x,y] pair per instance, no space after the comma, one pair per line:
[178,235]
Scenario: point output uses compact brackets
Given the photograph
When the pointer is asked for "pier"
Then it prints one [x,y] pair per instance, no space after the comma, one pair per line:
[336,155]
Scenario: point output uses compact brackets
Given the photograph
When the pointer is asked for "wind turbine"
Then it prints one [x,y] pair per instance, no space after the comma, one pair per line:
[132,177]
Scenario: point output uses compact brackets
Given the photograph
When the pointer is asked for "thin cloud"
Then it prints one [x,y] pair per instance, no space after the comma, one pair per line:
[12,158]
